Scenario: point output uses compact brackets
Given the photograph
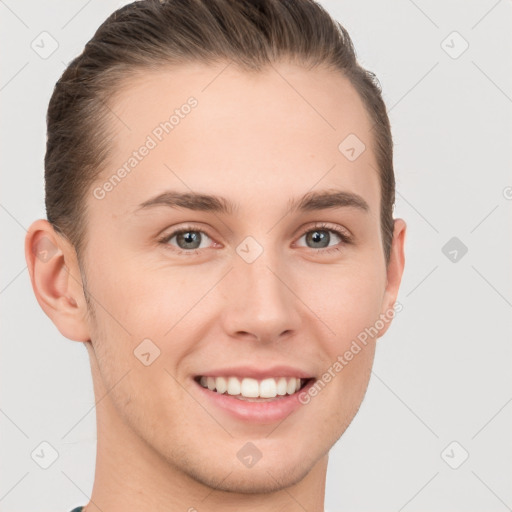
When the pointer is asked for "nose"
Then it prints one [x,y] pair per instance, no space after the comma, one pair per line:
[260,301]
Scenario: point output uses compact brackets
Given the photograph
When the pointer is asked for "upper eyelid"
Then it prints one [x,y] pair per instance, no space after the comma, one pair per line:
[340,231]
[316,225]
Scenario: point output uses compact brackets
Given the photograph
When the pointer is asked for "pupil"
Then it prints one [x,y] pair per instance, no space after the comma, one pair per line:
[189,237]
[318,236]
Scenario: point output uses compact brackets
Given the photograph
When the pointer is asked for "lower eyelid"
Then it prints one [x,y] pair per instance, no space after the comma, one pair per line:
[343,234]
[344,237]
[167,238]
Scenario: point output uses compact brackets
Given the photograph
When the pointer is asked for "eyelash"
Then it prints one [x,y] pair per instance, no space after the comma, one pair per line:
[345,238]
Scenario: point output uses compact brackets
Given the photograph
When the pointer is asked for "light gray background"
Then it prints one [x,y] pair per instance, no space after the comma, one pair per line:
[442,372]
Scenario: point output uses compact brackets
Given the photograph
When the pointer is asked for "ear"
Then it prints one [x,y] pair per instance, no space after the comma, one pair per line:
[394,272]
[56,279]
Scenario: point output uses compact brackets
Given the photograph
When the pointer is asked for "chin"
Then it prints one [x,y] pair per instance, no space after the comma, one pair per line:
[262,480]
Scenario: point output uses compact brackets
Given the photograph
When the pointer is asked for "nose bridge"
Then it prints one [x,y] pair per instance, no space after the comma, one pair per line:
[260,302]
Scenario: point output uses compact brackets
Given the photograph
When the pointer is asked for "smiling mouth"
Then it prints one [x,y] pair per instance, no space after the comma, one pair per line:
[253,390]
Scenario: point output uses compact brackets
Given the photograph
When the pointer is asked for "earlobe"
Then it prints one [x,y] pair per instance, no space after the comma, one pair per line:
[56,280]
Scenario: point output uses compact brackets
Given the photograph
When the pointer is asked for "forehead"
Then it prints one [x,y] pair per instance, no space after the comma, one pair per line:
[218,129]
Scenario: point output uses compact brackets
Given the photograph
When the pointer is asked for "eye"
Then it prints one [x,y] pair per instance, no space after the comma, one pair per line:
[188,240]
[320,237]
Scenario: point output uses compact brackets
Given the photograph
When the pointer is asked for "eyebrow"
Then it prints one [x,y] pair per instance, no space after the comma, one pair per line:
[312,201]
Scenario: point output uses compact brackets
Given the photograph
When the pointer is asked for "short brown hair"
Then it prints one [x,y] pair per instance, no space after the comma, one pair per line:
[149,34]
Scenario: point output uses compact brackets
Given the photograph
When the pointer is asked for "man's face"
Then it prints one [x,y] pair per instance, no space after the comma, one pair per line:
[238,293]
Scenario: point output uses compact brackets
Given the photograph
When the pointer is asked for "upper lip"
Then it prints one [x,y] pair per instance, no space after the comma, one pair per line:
[257,373]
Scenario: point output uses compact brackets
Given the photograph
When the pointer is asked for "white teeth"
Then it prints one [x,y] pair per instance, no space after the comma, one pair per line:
[252,388]
[221,384]
[281,386]
[233,386]
[291,386]
[268,388]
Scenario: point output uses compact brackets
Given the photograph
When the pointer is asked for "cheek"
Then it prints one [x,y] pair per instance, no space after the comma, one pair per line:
[140,299]
[136,301]
[349,304]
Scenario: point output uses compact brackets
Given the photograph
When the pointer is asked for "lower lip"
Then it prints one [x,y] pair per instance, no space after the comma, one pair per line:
[256,412]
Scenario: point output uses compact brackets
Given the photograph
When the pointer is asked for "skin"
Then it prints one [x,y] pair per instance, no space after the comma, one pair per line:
[256,141]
